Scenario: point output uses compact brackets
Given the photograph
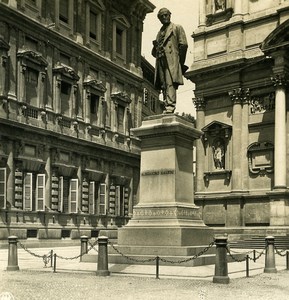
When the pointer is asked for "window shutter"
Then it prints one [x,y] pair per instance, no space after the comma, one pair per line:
[73,195]
[60,194]
[92,197]
[126,201]
[40,192]
[2,187]
[27,201]
[117,200]
[102,199]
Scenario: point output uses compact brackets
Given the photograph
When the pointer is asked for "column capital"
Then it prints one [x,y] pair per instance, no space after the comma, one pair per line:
[280,80]
[200,103]
[239,95]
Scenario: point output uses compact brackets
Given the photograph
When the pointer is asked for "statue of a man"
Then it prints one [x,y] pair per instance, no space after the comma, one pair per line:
[169,49]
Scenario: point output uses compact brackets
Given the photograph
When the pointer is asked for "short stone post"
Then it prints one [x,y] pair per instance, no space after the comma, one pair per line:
[12,254]
[102,263]
[270,255]
[83,245]
[221,265]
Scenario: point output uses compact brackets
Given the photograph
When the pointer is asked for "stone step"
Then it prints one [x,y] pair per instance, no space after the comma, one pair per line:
[281,242]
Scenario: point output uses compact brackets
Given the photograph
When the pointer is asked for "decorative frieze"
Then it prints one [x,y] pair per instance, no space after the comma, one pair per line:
[262,103]
[166,212]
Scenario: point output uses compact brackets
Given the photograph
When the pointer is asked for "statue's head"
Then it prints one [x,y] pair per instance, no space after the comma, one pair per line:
[164,15]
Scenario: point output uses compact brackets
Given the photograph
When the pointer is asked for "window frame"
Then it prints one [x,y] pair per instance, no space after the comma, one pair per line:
[4,182]
[71,192]
[38,187]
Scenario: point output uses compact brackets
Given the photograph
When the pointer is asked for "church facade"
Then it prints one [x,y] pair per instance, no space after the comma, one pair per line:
[71,88]
[241,74]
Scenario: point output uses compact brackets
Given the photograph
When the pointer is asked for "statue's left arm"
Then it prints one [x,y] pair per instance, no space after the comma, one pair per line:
[182,44]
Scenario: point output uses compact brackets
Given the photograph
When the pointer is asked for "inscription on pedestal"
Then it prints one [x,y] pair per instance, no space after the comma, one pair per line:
[158,172]
[168,212]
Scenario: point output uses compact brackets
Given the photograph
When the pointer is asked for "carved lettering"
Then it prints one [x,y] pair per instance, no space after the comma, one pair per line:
[158,172]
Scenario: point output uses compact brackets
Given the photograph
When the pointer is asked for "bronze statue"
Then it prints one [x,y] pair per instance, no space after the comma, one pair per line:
[169,49]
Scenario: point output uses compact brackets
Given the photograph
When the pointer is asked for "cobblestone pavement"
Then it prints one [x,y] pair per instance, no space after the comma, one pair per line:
[77,280]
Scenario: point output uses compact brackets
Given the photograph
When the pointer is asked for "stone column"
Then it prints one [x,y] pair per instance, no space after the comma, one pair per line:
[236,96]
[245,141]
[238,7]
[202,13]
[280,133]
[200,105]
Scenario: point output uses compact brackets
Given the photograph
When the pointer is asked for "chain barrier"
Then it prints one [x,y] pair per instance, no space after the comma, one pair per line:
[46,257]
[80,255]
[246,256]
[280,252]
[92,246]
[130,258]
[190,258]
[163,259]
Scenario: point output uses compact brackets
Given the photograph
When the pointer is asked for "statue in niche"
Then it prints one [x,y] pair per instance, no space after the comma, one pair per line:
[219,155]
[219,5]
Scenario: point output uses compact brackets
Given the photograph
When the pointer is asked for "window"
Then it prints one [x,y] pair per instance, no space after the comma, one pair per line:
[64,11]
[93,31]
[119,40]
[73,196]
[33,192]
[119,200]
[27,191]
[94,104]
[102,199]
[32,86]
[40,192]
[2,187]
[65,92]
[120,27]
[91,197]
[120,119]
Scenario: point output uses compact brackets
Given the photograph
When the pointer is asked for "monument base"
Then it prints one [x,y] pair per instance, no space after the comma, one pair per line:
[174,230]
[166,217]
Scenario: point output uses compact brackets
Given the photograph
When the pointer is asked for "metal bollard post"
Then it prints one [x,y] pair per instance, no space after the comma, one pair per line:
[12,254]
[83,245]
[270,255]
[54,265]
[102,264]
[254,255]
[51,258]
[247,265]
[287,260]
[157,267]
[221,265]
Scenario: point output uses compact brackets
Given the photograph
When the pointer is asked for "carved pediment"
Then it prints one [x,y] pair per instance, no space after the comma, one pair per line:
[32,56]
[216,128]
[66,71]
[277,38]
[94,84]
[122,20]
[121,97]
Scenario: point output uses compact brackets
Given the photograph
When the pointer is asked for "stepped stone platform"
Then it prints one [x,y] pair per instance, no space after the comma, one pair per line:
[258,242]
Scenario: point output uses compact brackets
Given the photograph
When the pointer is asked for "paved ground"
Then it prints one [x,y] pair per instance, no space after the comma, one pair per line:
[78,280]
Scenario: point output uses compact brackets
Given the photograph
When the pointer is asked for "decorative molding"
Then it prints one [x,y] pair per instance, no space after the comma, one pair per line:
[261,158]
[280,80]
[218,17]
[224,173]
[262,103]
[239,95]
[200,103]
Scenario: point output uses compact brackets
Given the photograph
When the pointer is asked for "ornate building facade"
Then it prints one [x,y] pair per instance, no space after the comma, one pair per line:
[241,74]
[71,88]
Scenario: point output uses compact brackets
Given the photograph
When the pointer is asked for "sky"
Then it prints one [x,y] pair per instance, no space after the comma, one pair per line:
[185,13]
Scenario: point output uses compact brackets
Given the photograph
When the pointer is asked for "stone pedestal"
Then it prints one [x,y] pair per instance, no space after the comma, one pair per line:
[166,215]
